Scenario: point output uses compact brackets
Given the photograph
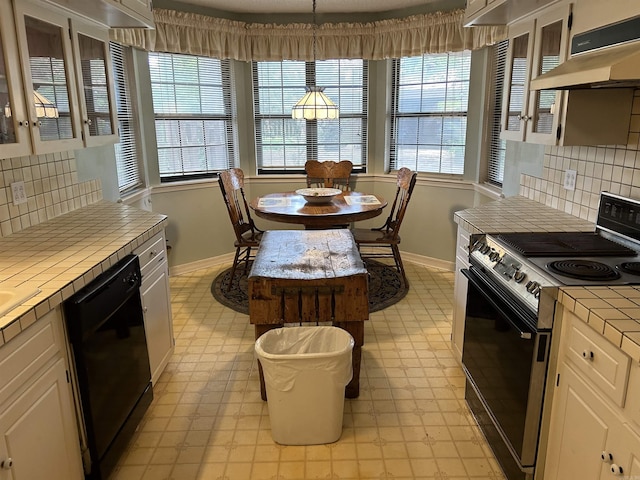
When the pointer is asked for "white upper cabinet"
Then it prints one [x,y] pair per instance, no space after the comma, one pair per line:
[50,82]
[95,78]
[537,44]
[15,138]
[111,13]
[62,98]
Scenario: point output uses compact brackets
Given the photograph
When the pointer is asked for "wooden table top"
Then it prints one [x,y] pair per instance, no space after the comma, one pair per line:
[307,255]
[289,207]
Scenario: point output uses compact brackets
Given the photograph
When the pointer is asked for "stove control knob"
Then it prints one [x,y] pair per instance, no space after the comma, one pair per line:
[479,246]
[519,276]
[533,287]
[485,249]
[536,292]
[494,256]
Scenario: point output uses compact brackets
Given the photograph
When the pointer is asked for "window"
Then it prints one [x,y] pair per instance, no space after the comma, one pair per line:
[127,163]
[495,163]
[284,144]
[429,112]
[194,115]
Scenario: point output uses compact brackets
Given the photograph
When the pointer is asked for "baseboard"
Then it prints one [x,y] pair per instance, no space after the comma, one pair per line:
[227,258]
[428,261]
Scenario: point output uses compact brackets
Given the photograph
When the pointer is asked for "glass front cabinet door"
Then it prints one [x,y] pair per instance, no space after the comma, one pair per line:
[516,87]
[550,50]
[536,45]
[95,78]
[14,123]
[49,78]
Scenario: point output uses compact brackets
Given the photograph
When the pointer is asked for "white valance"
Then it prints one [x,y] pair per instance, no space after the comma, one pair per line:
[189,33]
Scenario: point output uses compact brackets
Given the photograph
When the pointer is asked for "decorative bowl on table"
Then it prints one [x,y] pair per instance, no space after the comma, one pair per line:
[318,195]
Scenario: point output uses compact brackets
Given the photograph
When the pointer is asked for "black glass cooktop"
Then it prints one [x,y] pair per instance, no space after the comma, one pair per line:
[563,244]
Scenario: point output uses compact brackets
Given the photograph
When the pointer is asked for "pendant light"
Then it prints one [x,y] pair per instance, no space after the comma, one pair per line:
[44,107]
[315,105]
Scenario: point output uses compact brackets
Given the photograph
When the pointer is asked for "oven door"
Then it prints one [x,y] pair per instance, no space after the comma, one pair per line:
[505,360]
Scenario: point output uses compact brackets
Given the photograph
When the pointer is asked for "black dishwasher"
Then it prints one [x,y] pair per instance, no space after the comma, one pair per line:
[106,331]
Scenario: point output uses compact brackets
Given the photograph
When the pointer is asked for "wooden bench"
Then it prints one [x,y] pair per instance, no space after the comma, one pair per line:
[310,276]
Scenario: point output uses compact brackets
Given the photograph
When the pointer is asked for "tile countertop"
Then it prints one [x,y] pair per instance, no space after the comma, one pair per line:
[62,255]
[612,311]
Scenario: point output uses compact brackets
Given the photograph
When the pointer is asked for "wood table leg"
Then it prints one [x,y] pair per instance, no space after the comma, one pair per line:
[356,329]
[260,330]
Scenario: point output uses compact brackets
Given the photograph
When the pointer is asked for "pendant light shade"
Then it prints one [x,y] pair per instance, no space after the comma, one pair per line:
[44,108]
[315,105]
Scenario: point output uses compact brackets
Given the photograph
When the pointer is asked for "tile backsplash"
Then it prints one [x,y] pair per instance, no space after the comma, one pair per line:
[612,168]
[51,187]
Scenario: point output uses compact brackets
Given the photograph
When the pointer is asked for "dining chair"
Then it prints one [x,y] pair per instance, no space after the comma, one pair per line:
[383,242]
[328,174]
[247,234]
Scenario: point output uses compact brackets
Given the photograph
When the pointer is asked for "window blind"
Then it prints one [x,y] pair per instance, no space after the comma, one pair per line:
[497,146]
[429,112]
[128,164]
[284,144]
[194,115]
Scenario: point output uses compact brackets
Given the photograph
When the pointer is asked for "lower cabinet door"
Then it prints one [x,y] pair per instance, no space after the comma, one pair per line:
[157,319]
[39,435]
[581,431]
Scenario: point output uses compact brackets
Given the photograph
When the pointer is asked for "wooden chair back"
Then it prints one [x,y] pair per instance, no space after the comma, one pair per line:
[329,174]
[405,182]
[232,187]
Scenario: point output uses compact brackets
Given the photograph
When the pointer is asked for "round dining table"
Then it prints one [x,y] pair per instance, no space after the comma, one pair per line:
[344,208]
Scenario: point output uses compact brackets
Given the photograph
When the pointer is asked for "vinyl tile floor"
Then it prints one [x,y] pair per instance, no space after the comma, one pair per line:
[207,421]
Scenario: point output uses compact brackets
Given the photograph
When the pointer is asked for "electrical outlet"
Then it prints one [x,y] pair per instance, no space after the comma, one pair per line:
[570,179]
[19,195]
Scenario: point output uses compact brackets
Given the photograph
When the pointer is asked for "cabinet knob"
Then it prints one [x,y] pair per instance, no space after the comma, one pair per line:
[7,464]
[524,118]
[616,469]
[25,123]
[88,121]
[152,253]
[606,456]
[587,354]
[145,309]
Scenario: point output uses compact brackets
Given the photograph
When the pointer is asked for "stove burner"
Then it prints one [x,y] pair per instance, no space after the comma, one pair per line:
[630,267]
[583,269]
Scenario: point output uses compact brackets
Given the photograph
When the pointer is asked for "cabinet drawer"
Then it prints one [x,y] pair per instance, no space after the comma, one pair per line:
[151,253]
[28,352]
[602,363]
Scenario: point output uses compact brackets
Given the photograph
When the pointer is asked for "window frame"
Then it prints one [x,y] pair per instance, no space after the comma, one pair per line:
[311,126]
[229,117]
[395,114]
[496,146]
[129,165]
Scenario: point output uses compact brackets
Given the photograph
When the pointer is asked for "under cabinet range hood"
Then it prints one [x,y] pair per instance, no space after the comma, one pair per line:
[606,57]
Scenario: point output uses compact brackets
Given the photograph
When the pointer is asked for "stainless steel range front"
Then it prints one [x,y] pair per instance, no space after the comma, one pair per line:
[513,284]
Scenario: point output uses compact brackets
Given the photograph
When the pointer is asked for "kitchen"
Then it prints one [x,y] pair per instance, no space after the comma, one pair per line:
[598,168]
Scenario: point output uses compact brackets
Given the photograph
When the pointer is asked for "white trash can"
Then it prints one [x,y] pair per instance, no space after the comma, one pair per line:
[305,373]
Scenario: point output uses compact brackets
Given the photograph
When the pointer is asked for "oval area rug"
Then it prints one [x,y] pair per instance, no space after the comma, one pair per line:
[385,287]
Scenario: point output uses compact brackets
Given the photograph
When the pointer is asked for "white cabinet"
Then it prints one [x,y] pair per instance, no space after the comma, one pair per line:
[460,292]
[39,436]
[112,13]
[538,44]
[15,138]
[64,98]
[156,303]
[590,436]
[500,12]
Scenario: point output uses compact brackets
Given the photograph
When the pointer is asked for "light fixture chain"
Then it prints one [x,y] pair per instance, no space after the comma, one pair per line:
[315,28]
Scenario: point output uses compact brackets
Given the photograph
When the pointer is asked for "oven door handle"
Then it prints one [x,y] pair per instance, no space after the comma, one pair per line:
[475,279]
